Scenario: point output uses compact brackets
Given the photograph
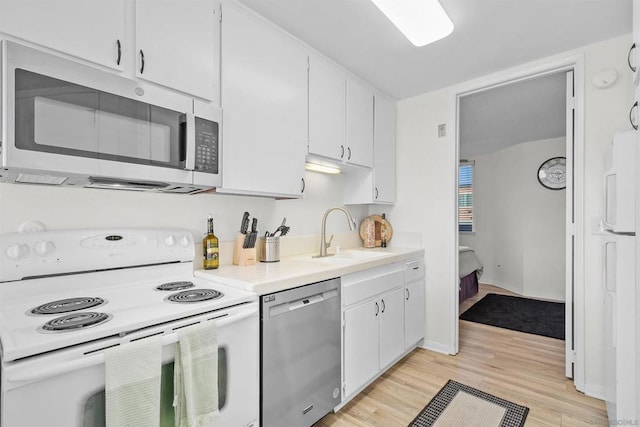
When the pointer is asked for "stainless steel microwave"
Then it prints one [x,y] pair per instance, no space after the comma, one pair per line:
[66,123]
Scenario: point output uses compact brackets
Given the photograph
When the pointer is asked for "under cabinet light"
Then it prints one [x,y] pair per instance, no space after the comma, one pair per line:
[321,168]
[421,21]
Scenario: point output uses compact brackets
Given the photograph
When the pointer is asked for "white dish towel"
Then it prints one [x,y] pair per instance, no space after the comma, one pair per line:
[132,383]
[196,376]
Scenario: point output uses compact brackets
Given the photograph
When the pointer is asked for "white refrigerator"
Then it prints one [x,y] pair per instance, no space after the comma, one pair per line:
[619,278]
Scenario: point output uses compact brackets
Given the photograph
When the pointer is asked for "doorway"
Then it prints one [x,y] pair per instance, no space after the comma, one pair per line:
[562,79]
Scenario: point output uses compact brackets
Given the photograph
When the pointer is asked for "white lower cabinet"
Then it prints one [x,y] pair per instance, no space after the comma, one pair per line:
[383,319]
[361,344]
[391,326]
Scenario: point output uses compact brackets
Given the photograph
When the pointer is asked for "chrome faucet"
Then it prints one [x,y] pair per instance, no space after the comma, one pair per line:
[323,236]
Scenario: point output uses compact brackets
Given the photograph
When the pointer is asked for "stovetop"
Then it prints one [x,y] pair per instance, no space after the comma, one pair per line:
[128,296]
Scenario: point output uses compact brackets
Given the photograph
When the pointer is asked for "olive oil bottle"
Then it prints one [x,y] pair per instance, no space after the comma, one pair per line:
[210,252]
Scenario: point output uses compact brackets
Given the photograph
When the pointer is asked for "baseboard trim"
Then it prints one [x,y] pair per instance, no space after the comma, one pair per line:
[594,391]
[437,347]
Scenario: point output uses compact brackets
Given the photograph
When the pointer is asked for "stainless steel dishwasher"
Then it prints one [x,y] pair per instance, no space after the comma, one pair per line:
[301,355]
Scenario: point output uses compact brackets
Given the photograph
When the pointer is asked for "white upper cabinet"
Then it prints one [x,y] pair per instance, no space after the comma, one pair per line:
[384,151]
[92,30]
[264,101]
[378,185]
[177,45]
[326,109]
[340,115]
[173,43]
[359,127]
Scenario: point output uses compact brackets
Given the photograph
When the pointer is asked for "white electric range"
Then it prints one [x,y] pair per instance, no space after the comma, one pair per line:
[66,296]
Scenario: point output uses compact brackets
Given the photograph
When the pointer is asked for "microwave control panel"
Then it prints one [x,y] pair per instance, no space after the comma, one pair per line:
[207,133]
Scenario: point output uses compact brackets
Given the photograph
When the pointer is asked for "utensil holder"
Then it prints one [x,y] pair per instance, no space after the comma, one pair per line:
[269,248]
[243,256]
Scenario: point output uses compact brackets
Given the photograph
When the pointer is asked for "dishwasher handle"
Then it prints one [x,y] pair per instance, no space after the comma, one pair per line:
[302,302]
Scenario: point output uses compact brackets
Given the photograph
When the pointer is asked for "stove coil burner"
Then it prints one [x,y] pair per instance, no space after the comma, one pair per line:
[67,305]
[75,321]
[195,295]
[175,286]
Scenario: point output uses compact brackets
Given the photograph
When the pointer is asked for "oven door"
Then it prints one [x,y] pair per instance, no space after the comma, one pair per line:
[66,388]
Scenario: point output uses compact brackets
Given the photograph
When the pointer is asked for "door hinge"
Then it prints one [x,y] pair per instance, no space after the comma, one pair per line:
[571,228]
[571,103]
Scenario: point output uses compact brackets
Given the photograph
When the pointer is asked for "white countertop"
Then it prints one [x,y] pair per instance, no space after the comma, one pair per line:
[265,278]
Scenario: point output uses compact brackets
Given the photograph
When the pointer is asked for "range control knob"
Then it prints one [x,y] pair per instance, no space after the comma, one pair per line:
[45,248]
[184,241]
[17,251]
[170,240]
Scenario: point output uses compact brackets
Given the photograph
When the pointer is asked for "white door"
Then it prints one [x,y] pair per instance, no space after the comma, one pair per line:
[326,109]
[178,46]
[391,326]
[414,312]
[91,30]
[359,131]
[361,344]
[570,230]
[264,98]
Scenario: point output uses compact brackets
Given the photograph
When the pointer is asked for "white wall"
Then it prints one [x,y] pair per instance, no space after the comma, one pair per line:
[519,226]
[427,188]
[62,208]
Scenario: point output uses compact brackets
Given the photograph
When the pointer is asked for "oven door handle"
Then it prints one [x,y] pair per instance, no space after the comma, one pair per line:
[28,375]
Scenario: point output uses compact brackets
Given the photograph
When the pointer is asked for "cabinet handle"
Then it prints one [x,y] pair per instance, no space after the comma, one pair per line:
[349,150]
[376,193]
[633,46]
[631,116]
[304,185]
[377,309]
[383,305]
[407,290]
[141,61]
[342,151]
[416,267]
[119,52]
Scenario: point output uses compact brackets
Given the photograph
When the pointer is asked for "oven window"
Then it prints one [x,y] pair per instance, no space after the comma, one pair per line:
[94,406]
[55,116]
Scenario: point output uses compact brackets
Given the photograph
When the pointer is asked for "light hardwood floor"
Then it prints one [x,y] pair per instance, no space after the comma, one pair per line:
[523,368]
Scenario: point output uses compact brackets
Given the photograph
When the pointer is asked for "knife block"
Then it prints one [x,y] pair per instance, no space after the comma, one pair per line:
[243,256]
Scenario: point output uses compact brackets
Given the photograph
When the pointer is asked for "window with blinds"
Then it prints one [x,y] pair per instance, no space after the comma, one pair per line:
[465,196]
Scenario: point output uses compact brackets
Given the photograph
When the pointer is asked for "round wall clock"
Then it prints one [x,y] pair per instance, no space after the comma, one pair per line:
[552,174]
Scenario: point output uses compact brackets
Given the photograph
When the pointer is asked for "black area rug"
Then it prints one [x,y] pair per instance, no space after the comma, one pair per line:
[519,314]
[471,414]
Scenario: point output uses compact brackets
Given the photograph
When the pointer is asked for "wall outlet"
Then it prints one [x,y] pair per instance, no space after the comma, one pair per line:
[442,130]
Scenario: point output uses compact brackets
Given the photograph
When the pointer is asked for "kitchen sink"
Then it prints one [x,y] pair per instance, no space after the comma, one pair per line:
[344,257]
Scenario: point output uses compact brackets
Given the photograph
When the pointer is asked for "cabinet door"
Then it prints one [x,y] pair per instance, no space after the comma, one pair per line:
[414,312]
[91,30]
[326,109]
[178,45]
[264,99]
[361,343]
[391,326]
[384,151]
[359,131]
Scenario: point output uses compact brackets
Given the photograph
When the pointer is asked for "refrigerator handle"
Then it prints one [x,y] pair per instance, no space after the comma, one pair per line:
[607,200]
[605,267]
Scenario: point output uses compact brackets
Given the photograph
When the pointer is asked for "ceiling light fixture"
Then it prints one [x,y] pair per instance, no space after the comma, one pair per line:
[321,168]
[421,21]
